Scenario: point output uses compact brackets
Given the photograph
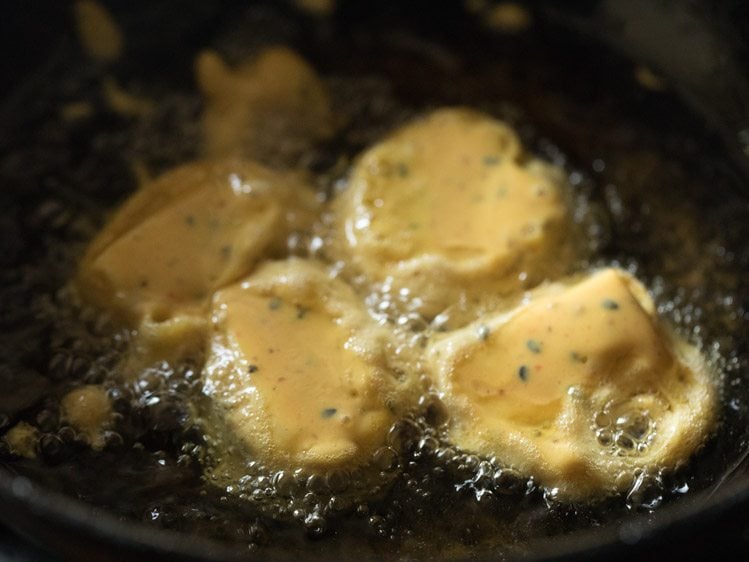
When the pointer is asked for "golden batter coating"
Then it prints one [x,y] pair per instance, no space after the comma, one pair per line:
[178,239]
[450,208]
[195,229]
[297,370]
[580,387]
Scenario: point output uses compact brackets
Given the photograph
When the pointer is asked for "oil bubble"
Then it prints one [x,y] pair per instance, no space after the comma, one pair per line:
[507,481]
[385,458]
[604,437]
[317,484]
[624,441]
[428,446]
[602,420]
[338,480]
[315,525]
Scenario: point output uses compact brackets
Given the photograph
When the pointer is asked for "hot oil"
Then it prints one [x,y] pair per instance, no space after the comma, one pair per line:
[641,195]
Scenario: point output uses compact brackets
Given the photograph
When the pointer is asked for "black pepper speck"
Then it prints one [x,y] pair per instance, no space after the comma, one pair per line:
[609,304]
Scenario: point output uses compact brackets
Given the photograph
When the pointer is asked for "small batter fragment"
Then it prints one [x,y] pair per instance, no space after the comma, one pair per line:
[22,440]
[197,228]
[578,387]
[275,104]
[87,408]
[296,369]
[98,31]
[449,207]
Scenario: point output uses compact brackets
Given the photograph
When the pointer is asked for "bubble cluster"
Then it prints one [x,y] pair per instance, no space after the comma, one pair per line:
[647,490]
[624,430]
[398,307]
[311,498]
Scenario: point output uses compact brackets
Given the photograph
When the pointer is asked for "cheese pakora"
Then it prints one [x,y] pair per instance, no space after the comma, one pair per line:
[273,104]
[178,239]
[297,371]
[580,386]
[450,207]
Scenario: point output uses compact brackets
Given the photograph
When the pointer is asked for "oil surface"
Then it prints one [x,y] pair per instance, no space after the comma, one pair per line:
[645,182]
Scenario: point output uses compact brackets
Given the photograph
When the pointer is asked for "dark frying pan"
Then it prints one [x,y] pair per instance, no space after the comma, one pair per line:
[574,85]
